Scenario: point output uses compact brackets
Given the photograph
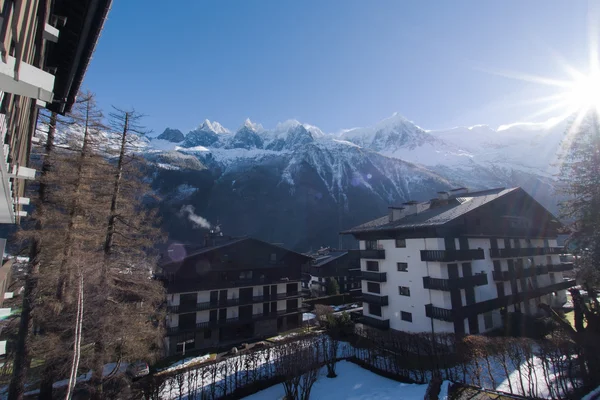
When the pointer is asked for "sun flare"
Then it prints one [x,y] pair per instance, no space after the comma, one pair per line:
[584,93]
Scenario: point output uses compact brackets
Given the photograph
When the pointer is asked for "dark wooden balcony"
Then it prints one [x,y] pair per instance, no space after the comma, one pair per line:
[355,272]
[525,252]
[373,276]
[452,255]
[375,254]
[234,321]
[444,314]
[500,276]
[374,299]
[441,314]
[562,267]
[456,283]
[375,323]
[209,305]
[518,274]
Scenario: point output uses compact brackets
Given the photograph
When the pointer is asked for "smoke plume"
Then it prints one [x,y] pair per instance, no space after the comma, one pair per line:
[197,220]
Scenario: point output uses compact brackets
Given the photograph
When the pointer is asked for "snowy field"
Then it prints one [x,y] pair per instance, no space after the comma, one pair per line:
[352,383]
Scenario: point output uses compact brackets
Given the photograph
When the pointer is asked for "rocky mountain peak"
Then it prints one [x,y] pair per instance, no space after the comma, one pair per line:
[171,135]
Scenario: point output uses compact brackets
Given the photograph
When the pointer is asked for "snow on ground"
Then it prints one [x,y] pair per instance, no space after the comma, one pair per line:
[444,390]
[186,362]
[352,382]
[279,338]
[308,316]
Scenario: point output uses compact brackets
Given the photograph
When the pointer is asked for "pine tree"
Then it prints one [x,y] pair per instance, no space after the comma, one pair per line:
[333,287]
[127,299]
[580,181]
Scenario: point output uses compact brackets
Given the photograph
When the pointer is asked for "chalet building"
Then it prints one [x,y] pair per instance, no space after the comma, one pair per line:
[457,262]
[45,48]
[230,290]
[328,264]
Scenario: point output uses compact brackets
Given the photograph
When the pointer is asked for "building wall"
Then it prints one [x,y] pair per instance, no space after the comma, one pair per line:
[419,296]
[413,278]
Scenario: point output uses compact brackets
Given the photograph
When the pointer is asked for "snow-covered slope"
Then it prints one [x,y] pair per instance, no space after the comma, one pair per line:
[295,173]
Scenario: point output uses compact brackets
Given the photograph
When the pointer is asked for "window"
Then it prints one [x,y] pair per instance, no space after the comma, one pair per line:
[245,275]
[406,316]
[404,290]
[497,265]
[400,243]
[488,321]
[500,289]
[552,278]
[373,287]
[273,257]
[402,267]
[375,309]
[371,244]
[372,266]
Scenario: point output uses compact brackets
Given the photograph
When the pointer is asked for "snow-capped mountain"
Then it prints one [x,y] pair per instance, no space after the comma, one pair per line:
[206,134]
[297,185]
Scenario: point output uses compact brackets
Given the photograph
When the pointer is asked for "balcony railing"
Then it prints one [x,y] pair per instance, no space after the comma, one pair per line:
[234,320]
[500,276]
[494,304]
[563,267]
[183,308]
[456,283]
[376,254]
[452,255]
[442,314]
[373,276]
[523,273]
[375,323]
[374,299]
[354,272]
[525,252]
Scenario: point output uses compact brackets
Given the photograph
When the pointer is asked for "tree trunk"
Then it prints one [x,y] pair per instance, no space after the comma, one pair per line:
[65,275]
[77,341]
[110,231]
[48,378]
[21,351]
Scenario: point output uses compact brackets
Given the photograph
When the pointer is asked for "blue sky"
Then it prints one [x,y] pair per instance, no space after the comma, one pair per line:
[335,64]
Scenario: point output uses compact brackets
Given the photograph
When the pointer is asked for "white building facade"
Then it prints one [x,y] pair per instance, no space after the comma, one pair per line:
[462,273]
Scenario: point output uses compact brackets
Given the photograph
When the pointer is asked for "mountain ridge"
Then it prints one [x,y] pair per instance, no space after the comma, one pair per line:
[277,183]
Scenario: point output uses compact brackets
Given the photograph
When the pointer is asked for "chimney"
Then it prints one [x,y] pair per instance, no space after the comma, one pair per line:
[396,213]
[459,191]
[410,207]
[214,237]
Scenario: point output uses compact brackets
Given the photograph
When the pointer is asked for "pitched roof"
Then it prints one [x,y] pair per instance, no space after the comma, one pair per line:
[430,214]
[191,250]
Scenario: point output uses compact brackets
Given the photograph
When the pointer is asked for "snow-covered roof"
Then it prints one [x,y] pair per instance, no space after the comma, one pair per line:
[321,260]
[436,215]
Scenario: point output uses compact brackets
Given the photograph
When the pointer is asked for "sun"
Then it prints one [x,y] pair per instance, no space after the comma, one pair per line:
[584,94]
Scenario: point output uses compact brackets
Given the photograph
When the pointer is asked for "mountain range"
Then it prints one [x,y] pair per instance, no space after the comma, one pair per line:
[298,186]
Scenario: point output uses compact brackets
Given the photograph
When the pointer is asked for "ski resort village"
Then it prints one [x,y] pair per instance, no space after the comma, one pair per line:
[151,252]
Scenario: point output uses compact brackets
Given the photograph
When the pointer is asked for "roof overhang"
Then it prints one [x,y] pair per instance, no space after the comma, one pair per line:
[72,52]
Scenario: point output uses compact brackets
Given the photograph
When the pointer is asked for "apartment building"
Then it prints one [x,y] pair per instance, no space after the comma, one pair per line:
[230,290]
[45,48]
[328,264]
[457,262]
